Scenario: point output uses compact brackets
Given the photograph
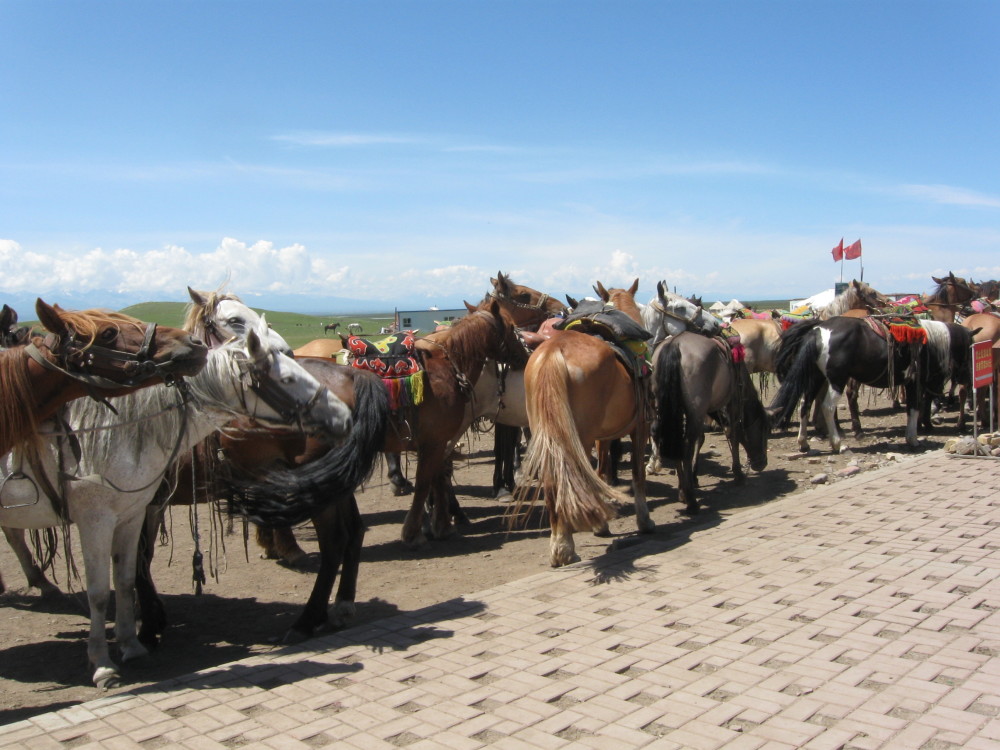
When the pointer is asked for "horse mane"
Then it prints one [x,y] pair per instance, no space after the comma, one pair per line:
[846,300]
[90,322]
[146,417]
[938,342]
[195,316]
[17,416]
[478,334]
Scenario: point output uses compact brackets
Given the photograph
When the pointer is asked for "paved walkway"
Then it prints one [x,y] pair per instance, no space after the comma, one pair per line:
[859,615]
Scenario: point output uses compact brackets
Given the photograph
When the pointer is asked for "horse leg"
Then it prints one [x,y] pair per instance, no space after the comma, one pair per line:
[332,537]
[153,616]
[605,460]
[687,467]
[912,415]
[125,546]
[279,544]
[505,439]
[829,415]
[640,437]
[400,484]
[429,461]
[343,607]
[96,539]
[851,391]
[562,551]
[32,572]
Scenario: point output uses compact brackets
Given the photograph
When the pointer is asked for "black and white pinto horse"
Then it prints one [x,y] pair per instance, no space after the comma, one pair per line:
[818,353]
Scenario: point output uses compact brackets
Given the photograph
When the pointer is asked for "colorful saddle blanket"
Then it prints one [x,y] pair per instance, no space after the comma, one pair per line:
[736,349]
[904,329]
[393,359]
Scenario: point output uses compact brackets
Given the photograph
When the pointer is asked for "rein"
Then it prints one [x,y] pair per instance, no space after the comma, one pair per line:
[290,409]
[540,305]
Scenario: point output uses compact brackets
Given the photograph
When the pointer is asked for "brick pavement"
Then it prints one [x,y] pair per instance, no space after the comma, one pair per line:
[861,615]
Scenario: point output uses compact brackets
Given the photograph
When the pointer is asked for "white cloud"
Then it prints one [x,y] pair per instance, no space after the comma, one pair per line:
[949,195]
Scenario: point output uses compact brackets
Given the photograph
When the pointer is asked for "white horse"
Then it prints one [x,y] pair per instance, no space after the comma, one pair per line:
[667,314]
[354,328]
[214,318]
[122,459]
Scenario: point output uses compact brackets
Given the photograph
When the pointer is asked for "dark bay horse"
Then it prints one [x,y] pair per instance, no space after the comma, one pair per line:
[695,377]
[828,353]
[580,395]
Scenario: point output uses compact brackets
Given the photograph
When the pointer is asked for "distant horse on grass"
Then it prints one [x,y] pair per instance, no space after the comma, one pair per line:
[694,378]
[581,394]
[331,327]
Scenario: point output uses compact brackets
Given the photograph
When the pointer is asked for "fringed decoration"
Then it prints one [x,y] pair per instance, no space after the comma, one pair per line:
[405,391]
[908,334]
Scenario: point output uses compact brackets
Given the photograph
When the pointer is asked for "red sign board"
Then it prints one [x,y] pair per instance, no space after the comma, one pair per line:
[982,364]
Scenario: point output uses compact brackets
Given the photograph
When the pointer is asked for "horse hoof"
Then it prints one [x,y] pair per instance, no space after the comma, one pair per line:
[602,532]
[293,637]
[295,559]
[49,591]
[503,495]
[646,527]
[343,613]
[558,563]
[106,678]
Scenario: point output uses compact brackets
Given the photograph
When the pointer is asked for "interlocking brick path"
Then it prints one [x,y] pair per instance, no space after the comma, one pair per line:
[859,615]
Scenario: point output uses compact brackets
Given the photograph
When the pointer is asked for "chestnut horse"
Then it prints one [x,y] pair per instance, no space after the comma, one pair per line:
[580,394]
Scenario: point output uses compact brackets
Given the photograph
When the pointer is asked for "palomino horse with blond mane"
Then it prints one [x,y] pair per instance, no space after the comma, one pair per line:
[581,393]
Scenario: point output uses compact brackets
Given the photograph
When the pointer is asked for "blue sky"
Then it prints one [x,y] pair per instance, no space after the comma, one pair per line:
[403,152]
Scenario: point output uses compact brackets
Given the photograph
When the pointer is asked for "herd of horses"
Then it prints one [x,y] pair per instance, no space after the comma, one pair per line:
[224,409]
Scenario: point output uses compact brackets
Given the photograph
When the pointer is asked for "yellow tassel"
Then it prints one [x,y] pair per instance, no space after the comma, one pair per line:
[417,385]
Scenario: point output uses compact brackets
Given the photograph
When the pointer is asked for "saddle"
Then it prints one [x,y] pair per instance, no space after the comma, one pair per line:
[737,352]
[394,359]
[904,329]
[626,338]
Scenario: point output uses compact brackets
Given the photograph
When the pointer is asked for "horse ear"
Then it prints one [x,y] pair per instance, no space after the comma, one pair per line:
[48,316]
[936,280]
[601,291]
[196,297]
[634,288]
[660,290]
[572,302]
[8,318]
[472,308]
[255,348]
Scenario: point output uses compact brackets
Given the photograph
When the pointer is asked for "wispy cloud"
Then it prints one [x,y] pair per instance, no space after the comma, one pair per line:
[949,195]
[342,140]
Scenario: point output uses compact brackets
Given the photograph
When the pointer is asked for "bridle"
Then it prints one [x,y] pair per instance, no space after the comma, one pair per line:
[291,410]
[539,306]
[77,362]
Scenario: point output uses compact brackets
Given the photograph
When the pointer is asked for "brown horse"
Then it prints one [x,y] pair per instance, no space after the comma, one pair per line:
[952,293]
[580,395]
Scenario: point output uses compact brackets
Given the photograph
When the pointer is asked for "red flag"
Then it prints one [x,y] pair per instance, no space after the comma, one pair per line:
[838,251]
[854,251]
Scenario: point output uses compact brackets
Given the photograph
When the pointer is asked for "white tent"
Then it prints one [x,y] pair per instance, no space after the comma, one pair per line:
[816,302]
[717,307]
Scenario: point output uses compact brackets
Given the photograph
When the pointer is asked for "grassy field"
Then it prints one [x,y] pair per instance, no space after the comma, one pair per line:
[295,328]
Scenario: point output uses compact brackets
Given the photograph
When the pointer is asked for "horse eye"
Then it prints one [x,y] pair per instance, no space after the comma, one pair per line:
[109,334]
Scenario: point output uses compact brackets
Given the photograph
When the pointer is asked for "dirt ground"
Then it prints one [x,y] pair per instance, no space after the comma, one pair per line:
[249,604]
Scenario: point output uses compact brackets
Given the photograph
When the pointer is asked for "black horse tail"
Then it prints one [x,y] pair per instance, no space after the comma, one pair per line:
[802,375]
[671,417]
[788,348]
[285,497]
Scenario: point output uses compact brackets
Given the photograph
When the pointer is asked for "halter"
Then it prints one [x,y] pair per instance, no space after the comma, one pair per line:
[289,408]
[138,365]
[540,305]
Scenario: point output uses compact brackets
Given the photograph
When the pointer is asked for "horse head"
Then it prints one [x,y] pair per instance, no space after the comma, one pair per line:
[216,317]
[527,307]
[111,350]
[289,394]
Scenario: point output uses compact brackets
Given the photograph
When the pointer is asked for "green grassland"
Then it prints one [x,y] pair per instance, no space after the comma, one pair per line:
[295,328]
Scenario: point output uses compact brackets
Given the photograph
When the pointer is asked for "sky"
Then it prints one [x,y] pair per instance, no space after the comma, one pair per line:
[320,156]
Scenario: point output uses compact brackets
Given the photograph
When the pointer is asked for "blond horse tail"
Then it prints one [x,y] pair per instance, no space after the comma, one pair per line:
[556,464]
